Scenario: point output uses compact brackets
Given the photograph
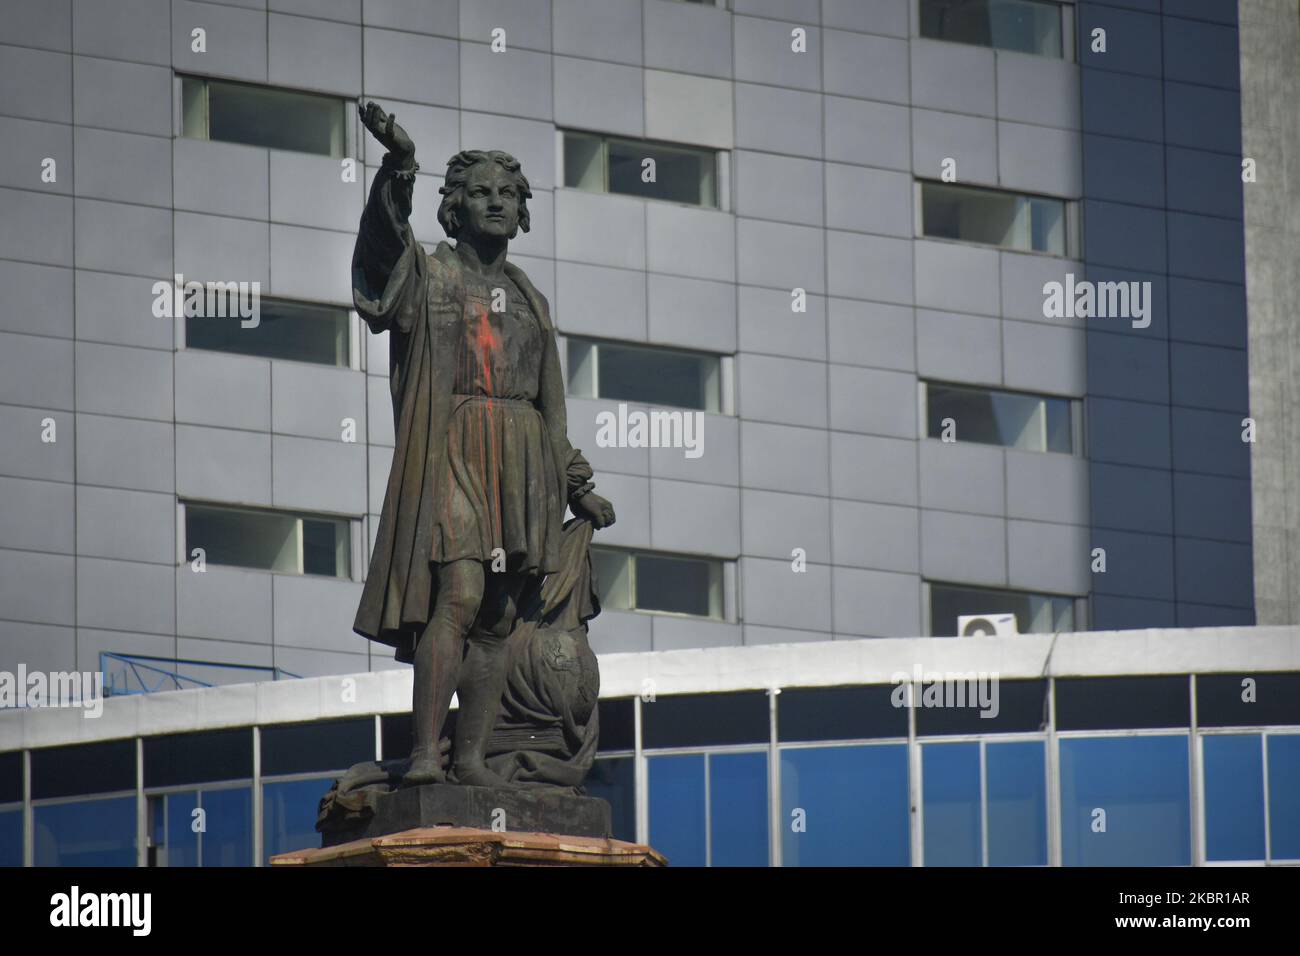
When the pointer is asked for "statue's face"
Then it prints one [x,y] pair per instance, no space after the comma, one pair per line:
[491,204]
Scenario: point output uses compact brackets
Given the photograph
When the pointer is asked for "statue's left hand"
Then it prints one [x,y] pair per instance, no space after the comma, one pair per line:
[594,508]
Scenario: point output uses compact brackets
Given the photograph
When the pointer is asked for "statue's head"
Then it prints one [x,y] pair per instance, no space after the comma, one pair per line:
[485,192]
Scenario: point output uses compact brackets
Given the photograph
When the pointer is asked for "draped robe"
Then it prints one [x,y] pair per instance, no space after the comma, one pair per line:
[419,299]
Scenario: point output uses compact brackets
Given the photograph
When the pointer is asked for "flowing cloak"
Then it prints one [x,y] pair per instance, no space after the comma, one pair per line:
[419,299]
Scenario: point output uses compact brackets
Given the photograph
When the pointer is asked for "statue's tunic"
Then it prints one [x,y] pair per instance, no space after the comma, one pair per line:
[482,460]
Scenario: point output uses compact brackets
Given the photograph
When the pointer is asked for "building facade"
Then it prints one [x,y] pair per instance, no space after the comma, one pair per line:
[1134,748]
[813,242]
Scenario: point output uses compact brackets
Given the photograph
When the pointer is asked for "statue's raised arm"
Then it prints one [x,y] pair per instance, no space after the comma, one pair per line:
[388,265]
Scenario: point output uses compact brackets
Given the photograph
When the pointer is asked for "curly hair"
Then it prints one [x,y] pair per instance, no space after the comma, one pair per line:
[453,189]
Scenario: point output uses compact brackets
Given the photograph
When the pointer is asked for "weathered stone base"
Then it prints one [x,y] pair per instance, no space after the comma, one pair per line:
[462,846]
[525,810]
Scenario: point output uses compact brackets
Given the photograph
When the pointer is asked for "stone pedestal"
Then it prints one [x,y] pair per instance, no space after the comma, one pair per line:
[464,846]
[519,810]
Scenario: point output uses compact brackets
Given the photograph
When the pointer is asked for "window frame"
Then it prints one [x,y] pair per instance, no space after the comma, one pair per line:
[1078,433]
[1068,15]
[353,548]
[720,157]
[726,583]
[1078,609]
[726,372]
[349,143]
[355,362]
[1264,732]
[1072,225]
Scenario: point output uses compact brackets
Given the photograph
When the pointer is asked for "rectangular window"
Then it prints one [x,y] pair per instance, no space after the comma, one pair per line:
[262,116]
[1250,786]
[85,833]
[992,417]
[728,827]
[289,813]
[860,796]
[11,836]
[269,540]
[642,373]
[641,581]
[635,167]
[298,331]
[1141,783]
[1035,613]
[226,840]
[1234,796]
[1284,796]
[1025,26]
[994,217]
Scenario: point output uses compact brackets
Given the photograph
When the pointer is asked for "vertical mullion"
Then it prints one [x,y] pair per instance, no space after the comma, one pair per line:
[1268,830]
[640,777]
[141,810]
[984,804]
[258,808]
[774,818]
[914,781]
[1052,763]
[29,822]
[1194,770]
[708,813]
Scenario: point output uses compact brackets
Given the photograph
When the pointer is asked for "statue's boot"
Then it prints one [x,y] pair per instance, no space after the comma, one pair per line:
[424,768]
[482,682]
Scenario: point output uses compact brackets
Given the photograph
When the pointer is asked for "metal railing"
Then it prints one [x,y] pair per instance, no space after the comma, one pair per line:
[133,674]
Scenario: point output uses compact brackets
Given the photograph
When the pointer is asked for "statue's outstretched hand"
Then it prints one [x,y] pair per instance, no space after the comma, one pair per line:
[594,508]
[384,128]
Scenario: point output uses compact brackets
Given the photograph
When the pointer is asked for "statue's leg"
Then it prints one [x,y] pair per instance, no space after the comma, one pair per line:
[483,678]
[438,663]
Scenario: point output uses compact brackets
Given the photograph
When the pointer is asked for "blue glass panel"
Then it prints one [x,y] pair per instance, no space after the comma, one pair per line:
[228,840]
[677,808]
[1141,784]
[613,779]
[1017,803]
[854,803]
[182,841]
[1234,797]
[11,837]
[738,809]
[289,814]
[1284,796]
[950,777]
[88,833]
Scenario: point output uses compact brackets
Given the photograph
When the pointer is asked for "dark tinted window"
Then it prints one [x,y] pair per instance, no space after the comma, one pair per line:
[991,417]
[1026,26]
[262,116]
[1014,706]
[694,720]
[11,776]
[285,330]
[1219,700]
[617,730]
[84,768]
[178,759]
[1122,703]
[839,713]
[325,745]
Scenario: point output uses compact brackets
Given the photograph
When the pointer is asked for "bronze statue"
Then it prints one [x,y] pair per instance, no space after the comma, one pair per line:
[473,516]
